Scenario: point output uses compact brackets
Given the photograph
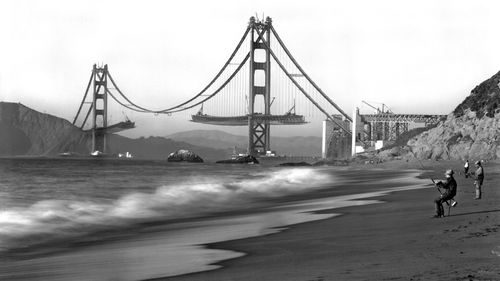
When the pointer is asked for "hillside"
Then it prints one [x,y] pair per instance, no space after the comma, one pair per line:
[211,138]
[471,131]
[484,99]
[29,132]
[460,138]
[297,146]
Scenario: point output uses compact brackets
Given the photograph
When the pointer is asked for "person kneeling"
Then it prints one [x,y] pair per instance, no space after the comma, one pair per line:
[451,190]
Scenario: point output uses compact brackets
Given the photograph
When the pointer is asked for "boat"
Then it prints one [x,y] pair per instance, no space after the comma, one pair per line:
[96,153]
[125,155]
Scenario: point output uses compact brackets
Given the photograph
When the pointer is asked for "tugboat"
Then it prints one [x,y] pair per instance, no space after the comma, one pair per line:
[239,158]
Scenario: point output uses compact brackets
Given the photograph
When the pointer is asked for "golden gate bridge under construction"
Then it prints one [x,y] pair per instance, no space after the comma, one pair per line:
[261,84]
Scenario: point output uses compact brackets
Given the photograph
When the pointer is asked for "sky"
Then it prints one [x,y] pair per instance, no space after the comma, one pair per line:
[414,56]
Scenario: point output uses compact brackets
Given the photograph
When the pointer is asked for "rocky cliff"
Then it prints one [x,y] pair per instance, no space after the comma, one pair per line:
[460,138]
[25,131]
[472,131]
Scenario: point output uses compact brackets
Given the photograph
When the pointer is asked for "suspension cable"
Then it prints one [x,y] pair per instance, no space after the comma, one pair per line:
[84,97]
[297,84]
[197,95]
[216,76]
[216,91]
[87,116]
[125,105]
[125,97]
[307,76]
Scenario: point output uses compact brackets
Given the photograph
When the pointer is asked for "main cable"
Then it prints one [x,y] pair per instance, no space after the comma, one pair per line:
[307,76]
[84,97]
[260,37]
[194,97]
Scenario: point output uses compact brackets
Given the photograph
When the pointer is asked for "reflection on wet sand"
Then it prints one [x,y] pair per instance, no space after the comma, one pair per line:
[177,248]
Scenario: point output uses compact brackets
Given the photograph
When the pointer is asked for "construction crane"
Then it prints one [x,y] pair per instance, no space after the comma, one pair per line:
[387,110]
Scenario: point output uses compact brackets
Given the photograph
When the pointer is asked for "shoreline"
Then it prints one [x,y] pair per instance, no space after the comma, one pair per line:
[322,234]
[396,240]
[176,248]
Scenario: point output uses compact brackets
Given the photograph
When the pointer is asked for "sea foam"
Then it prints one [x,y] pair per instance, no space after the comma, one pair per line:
[52,219]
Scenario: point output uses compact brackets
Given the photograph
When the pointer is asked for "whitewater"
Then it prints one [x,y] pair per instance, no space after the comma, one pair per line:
[68,217]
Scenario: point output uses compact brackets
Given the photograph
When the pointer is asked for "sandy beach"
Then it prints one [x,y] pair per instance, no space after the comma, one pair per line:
[396,240]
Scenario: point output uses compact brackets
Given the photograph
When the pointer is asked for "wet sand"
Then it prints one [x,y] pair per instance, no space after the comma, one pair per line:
[167,248]
[396,240]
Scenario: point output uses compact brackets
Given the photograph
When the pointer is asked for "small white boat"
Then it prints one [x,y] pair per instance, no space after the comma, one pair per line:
[125,155]
[96,153]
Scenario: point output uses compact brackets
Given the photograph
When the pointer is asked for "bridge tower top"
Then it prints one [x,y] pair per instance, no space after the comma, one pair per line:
[260,24]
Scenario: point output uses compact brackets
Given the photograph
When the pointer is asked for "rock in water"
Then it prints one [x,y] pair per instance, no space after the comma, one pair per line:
[247,159]
[183,155]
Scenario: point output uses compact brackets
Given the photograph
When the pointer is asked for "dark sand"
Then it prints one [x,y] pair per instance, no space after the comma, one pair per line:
[396,240]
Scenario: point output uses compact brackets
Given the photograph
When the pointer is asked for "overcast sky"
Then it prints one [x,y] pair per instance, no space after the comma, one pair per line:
[415,56]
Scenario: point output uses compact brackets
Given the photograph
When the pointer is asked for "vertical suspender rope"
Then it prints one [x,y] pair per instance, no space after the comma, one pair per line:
[196,96]
[217,91]
[298,85]
[307,76]
[216,77]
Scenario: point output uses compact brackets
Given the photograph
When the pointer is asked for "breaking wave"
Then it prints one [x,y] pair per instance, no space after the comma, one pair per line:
[52,219]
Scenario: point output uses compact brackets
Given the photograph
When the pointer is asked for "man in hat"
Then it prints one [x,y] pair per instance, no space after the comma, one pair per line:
[450,185]
[479,179]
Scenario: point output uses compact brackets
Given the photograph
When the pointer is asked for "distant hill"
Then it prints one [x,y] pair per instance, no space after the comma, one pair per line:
[28,132]
[296,146]
[25,131]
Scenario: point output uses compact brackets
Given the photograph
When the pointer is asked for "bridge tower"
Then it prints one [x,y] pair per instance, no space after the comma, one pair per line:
[259,131]
[99,108]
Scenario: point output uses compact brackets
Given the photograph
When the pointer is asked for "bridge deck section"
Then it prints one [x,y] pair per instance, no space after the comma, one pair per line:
[118,127]
[287,119]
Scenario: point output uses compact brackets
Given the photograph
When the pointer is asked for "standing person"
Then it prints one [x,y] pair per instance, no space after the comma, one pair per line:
[466,169]
[451,190]
[479,179]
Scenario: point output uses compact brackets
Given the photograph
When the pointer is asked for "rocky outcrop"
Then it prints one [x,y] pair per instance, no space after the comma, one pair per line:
[472,131]
[183,155]
[460,138]
[247,159]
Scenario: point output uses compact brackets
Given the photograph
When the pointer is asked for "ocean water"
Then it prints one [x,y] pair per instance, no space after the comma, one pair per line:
[95,219]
